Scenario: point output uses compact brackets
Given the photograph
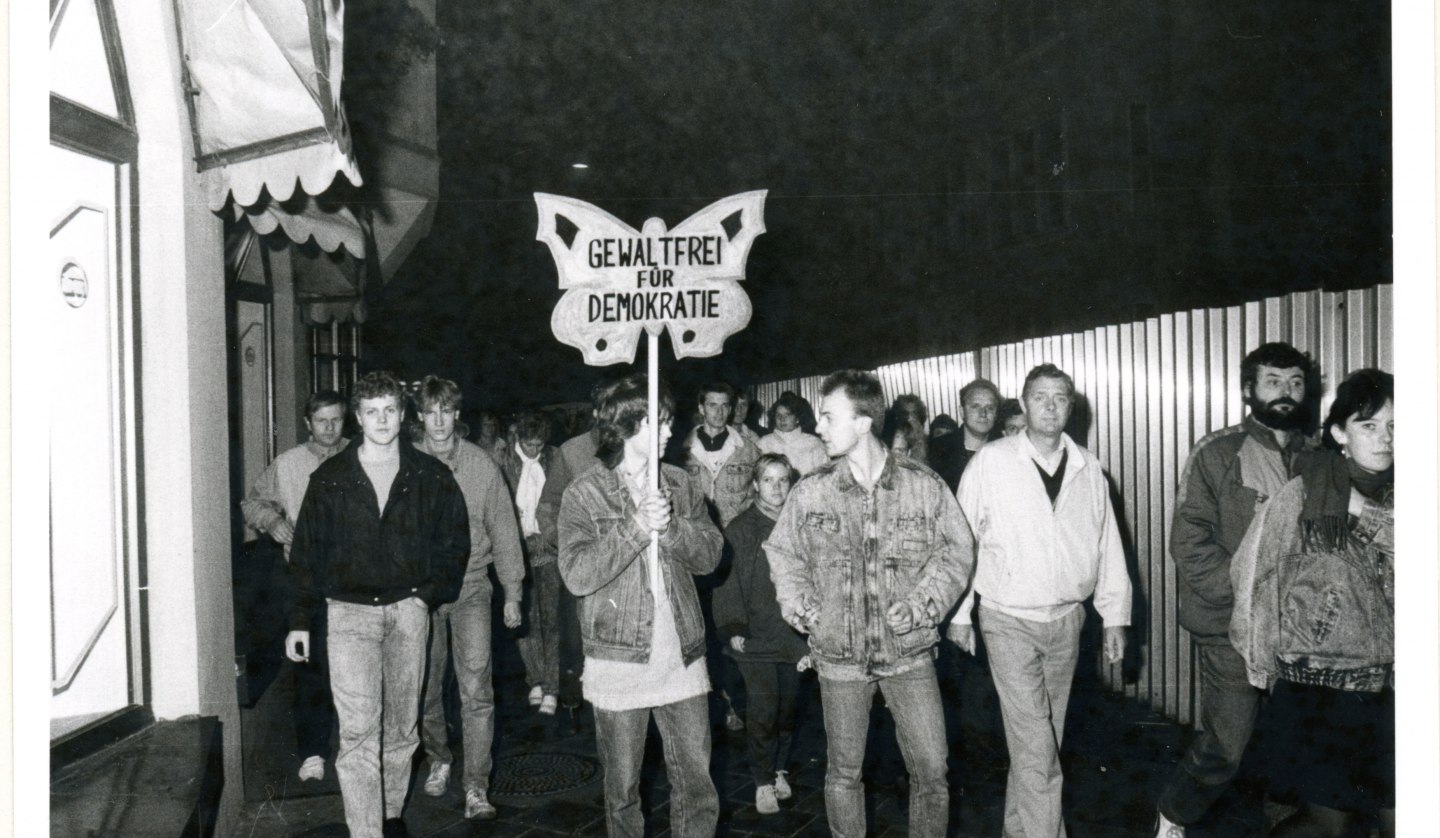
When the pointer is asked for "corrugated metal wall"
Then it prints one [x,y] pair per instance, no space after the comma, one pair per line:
[1149,390]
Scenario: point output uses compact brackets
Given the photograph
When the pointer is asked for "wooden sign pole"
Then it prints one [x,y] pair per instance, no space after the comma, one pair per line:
[652,385]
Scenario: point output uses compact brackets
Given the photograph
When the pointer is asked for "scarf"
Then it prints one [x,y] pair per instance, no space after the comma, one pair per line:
[527,494]
[1328,478]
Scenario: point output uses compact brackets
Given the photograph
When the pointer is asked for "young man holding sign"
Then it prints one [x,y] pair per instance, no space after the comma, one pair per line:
[868,555]
[640,617]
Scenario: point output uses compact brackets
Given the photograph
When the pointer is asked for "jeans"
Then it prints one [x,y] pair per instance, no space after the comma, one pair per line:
[377,655]
[685,737]
[914,700]
[314,708]
[572,652]
[770,693]
[462,634]
[1033,664]
[540,647]
[1228,705]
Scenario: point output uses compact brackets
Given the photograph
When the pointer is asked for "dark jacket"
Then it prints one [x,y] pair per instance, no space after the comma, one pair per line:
[345,549]
[745,604]
[602,561]
[948,457]
[1230,475]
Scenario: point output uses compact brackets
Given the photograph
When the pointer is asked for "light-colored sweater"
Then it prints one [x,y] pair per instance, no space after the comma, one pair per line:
[1035,560]
[276,494]
[494,533]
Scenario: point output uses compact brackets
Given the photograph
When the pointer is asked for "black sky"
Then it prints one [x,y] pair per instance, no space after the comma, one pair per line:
[861,121]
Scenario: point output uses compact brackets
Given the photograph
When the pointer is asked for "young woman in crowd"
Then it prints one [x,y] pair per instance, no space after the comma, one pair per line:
[1314,619]
[804,450]
[765,647]
[906,431]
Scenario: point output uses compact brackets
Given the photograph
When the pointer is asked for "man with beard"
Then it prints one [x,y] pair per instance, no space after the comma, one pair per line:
[1230,474]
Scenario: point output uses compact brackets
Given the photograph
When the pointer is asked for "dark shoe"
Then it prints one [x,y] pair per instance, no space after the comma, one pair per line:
[394,828]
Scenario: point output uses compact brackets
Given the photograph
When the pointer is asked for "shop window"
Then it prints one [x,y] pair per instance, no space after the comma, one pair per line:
[334,356]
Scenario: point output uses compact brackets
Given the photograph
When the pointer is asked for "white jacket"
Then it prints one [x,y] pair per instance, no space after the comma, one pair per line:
[1034,560]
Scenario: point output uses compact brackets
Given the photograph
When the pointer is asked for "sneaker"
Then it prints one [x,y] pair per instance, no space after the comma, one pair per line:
[478,806]
[537,695]
[439,778]
[1165,829]
[765,802]
[782,786]
[313,768]
[547,705]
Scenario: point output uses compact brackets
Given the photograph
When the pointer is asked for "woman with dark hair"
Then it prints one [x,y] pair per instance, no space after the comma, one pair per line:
[640,622]
[1314,618]
[765,647]
[804,450]
[905,427]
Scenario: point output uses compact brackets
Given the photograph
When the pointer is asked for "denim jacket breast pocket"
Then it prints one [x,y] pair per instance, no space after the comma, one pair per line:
[734,480]
[833,578]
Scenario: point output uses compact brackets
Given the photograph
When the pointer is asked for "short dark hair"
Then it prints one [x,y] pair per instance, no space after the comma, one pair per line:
[797,405]
[716,387]
[1007,409]
[1361,395]
[1280,356]
[771,458]
[322,398]
[979,384]
[375,385]
[1048,370]
[531,424]
[864,392]
[943,423]
[440,392]
[623,407]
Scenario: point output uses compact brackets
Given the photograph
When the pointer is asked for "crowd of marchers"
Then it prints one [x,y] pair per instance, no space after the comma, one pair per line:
[853,542]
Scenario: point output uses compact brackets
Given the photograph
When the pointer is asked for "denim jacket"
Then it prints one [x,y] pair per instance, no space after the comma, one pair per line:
[730,488]
[602,561]
[840,556]
[1318,617]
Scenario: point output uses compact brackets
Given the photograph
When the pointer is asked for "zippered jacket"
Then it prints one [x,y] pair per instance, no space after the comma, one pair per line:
[845,555]
[1036,559]
[1230,475]
[602,561]
[345,549]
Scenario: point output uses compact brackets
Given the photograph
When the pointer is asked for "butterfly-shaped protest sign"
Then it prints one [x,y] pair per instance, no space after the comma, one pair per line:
[619,280]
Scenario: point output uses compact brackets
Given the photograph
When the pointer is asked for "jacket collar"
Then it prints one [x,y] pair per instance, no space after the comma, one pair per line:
[845,478]
[409,457]
[1266,436]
